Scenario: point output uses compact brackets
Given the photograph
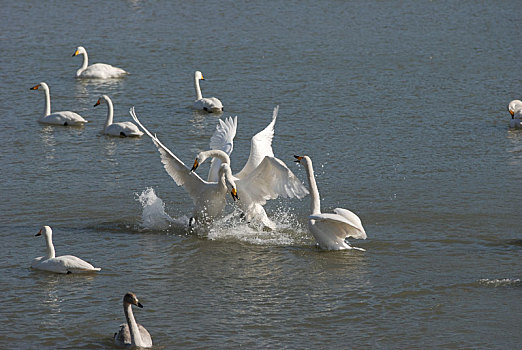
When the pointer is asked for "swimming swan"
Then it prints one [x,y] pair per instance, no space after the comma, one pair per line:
[330,230]
[263,177]
[132,334]
[209,104]
[61,264]
[97,70]
[125,129]
[208,197]
[57,118]
[515,109]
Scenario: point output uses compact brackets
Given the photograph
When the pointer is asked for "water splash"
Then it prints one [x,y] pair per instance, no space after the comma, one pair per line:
[288,230]
[153,216]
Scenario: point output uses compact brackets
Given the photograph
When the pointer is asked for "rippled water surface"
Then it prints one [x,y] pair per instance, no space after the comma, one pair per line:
[400,104]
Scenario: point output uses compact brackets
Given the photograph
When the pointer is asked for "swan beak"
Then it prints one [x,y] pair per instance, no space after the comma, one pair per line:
[139,305]
[299,158]
[75,53]
[38,234]
[234,194]
[511,112]
[195,166]
[97,103]
[35,87]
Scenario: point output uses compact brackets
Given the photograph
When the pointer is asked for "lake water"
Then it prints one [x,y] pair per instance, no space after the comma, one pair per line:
[400,104]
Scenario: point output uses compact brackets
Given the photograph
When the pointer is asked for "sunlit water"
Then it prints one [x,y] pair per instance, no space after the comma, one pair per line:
[402,107]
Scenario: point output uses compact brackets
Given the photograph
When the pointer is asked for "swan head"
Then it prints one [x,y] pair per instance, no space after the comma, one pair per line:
[301,158]
[198,75]
[102,99]
[513,106]
[80,50]
[45,230]
[131,299]
[200,158]
[41,85]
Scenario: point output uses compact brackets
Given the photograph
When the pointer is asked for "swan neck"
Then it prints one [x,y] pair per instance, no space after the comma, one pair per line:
[110,113]
[133,326]
[199,96]
[50,247]
[219,154]
[84,64]
[314,192]
[47,108]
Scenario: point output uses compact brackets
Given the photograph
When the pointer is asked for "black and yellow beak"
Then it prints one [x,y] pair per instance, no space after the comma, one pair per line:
[234,194]
[97,103]
[299,158]
[75,53]
[195,166]
[39,233]
[35,87]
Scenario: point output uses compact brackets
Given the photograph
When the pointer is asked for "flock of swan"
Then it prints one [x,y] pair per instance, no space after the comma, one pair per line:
[262,178]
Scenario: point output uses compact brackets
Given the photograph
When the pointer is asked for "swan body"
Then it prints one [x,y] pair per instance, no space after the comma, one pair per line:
[132,334]
[60,264]
[97,70]
[208,196]
[515,109]
[263,177]
[124,129]
[209,104]
[57,118]
[330,230]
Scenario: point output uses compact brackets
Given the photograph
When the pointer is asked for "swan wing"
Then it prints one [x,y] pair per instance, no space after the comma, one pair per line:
[123,129]
[177,170]
[272,178]
[260,147]
[343,224]
[222,139]
[63,118]
[102,71]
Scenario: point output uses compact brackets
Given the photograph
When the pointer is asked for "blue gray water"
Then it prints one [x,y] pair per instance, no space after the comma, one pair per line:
[400,104]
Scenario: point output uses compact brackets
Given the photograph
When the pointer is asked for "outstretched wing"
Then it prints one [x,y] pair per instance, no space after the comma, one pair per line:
[260,147]
[269,180]
[344,223]
[179,172]
[222,139]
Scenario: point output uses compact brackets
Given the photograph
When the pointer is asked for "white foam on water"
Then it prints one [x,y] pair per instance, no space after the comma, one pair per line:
[504,282]
[153,216]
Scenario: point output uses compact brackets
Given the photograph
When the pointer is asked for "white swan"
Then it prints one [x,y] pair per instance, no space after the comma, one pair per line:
[209,104]
[515,109]
[125,129]
[61,264]
[97,70]
[208,197]
[330,230]
[263,177]
[132,334]
[57,118]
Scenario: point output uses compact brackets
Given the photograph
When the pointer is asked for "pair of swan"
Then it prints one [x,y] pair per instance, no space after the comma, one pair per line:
[208,196]
[262,178]
[330,230]
[132,334]
[515,109]
[61,264]
[57,118]
[97,70]
[125,129]
[209,104]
